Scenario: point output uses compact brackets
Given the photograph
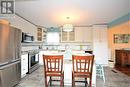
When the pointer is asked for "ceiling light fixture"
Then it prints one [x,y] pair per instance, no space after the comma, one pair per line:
[67,27]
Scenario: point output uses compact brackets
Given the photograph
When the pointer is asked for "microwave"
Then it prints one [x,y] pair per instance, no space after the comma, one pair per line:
[27,38]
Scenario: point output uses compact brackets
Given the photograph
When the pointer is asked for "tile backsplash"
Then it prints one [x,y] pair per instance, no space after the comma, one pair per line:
[72,46]
[27,48]
[61,46]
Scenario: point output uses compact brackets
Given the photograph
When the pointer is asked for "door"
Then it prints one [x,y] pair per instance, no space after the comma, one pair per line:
[7,47]
[64,36]
[71,36]
[17,43]
[78,34]
[100,44]
[87,34]
[10,74]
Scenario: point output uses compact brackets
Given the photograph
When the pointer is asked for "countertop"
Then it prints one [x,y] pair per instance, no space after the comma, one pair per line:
[24,52]
[27,51]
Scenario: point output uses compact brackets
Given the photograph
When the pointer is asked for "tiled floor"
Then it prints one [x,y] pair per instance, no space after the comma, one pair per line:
[114,78]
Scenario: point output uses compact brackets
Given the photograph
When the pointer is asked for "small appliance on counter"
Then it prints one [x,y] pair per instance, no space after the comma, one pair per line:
[27,37]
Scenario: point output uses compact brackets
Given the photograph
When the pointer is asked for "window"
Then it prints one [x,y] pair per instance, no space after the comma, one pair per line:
[52,37]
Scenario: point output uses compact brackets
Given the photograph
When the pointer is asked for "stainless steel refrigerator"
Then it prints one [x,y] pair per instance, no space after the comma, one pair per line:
[10,59]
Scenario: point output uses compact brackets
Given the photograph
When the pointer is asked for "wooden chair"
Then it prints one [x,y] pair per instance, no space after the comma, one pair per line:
[82,68]
[53,67]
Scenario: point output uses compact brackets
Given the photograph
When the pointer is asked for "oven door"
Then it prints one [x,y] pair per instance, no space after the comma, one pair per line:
[33,62]
[37,58]
[34,59]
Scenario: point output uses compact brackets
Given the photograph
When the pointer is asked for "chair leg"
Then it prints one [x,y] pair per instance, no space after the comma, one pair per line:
[46,82]
[86,82]
[50,80]
[73,81]
[90,82]
[62,81]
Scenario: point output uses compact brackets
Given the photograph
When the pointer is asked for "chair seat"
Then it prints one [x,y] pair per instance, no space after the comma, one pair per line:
[81,74]
[55,74]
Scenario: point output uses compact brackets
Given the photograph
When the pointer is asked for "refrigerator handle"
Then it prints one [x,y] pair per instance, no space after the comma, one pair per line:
[8,65]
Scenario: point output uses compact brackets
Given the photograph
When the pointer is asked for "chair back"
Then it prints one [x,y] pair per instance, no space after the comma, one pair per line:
[53,63]
[82,64]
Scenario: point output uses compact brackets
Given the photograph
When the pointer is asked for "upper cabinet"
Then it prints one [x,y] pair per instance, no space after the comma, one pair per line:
[64,36]
[71,36]
[79,34]
[83,34]
[41,34]
[67,36]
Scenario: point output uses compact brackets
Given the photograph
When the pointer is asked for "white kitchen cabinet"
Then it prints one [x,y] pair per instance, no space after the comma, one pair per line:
[83,34]
[24,65]
[87,34]
[67,36]
[41,34]
[78,34]
[100,44]
[64,36]
[41,57]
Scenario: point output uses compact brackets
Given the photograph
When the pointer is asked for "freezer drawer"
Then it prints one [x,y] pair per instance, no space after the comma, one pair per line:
[10,74]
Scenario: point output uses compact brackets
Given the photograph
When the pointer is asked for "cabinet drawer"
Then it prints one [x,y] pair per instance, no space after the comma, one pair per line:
[24,65]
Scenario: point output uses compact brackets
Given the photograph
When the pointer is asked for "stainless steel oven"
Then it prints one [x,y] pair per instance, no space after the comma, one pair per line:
[33,62]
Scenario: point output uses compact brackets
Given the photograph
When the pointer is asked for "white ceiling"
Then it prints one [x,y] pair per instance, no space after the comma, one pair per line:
[53,13]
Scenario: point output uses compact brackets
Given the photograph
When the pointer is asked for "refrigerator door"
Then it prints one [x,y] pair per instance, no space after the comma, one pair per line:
[17,43]
[10,74]
[7,52]
[10,39]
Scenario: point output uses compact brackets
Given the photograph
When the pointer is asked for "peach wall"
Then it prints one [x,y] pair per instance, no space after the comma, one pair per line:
[123,28]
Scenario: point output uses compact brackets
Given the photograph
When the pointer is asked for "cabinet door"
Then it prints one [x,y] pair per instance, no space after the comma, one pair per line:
[83,34]
[39,34]
[118,57]
[24,65]
[41,57]
[71,36]
[128,55]
[78,34]
[87,34]
[64,36]
[67,36]
[44,34]
[100,44]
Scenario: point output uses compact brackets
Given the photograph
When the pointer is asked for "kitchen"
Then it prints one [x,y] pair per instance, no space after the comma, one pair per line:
[44,33]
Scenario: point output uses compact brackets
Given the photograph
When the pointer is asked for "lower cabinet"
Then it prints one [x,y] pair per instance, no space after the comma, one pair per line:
[41,57]
[24,65]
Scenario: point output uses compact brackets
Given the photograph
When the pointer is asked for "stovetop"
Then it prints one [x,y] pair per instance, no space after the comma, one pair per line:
[30,51]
